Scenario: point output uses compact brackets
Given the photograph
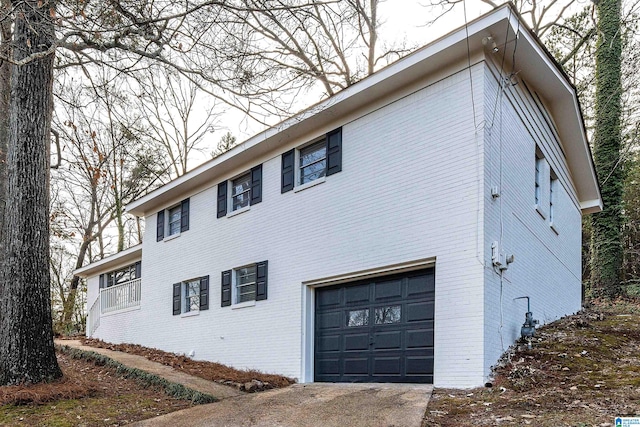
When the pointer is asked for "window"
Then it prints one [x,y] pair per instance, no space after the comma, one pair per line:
[240,192]
[173,220]
[244,284]
[122,275]
[537,178]
[191,296]
[246,190]
[553,194]
[311,162]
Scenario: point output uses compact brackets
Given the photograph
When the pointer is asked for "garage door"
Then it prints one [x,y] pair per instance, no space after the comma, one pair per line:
[379,330]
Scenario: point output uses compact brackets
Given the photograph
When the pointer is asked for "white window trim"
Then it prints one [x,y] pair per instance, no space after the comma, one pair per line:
[297,186]
[309,184]
[239,211]
[183,298]
[234,287]
[167,221]
[171,237]
[231,195]
[243,305]
[190,313]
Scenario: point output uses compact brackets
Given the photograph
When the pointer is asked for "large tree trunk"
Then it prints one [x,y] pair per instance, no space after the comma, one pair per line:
[27,353]
[606,243]
[5,90]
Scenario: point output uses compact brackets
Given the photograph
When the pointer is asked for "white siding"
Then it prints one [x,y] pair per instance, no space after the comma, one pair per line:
[547,265]
[409,190]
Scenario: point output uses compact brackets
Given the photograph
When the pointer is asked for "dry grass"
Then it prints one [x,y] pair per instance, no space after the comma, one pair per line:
[583,370]
[208,370]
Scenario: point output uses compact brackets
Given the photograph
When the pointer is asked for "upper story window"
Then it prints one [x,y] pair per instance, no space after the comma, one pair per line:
[172,221]
[240,191]
[191,296]
[246,190]
[121,275]
[311,162]
[538,178]
[553,195]
[244,284]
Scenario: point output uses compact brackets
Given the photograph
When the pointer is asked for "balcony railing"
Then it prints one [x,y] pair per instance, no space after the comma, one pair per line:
[121,296]
[94,317]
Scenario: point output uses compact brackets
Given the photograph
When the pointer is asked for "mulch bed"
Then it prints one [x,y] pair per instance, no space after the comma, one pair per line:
[254,380]
[87,395]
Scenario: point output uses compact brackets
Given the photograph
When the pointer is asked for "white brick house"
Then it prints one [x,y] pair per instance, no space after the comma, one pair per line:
[354,241]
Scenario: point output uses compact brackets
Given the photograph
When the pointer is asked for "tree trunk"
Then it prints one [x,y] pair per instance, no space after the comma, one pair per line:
[5,90]
[27,354]
[606,243]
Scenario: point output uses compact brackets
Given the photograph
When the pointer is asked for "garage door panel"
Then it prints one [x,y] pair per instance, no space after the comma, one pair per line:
[356,365]
[419,365]
[420,311]
[388,289]
[356,294]
[420,285]
[329,343]
[376,331]
[389,366]
[387,340]
[329,298]
[420,338]
[356,342]
[330,320]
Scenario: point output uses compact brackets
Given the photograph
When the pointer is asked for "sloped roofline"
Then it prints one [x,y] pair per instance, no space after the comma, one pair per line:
[536,63]
[109,263]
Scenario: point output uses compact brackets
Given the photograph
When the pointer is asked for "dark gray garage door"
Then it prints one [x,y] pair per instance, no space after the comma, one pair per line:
[379,330]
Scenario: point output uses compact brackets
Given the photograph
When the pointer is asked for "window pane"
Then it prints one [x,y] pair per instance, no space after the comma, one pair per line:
[358,318]
[313,171]
[246,284]
[313,153]
[174,220]
[386,315]
[192,295]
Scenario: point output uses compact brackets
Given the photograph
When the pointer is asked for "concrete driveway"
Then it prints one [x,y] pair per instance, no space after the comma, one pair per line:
[310,405]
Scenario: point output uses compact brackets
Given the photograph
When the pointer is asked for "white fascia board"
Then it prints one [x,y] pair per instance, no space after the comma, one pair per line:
[109,263]
[544,73]
[383,82]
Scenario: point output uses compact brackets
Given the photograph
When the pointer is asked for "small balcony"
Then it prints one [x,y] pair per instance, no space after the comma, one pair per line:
[119,297]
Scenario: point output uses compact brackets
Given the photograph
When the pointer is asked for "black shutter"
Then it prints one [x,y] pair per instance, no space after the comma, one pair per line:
[160,227]
[204,293]
[103,282]
[184,215]
[138,270]
[110,279]
[256,185]
[177,303]
[288,172]
[222,199]
[261,281]
[226,289]
[334,151]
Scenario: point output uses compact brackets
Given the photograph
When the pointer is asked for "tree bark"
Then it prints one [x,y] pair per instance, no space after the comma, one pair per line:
[5,90]
[27,354]
[606,243]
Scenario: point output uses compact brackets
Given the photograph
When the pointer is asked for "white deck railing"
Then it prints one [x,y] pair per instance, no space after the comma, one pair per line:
[120,296]
[94,317]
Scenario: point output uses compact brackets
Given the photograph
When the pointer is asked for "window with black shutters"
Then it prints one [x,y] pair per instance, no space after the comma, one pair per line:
[311,162]
[240,192]
[191,296]
[172,221]
[244,284]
